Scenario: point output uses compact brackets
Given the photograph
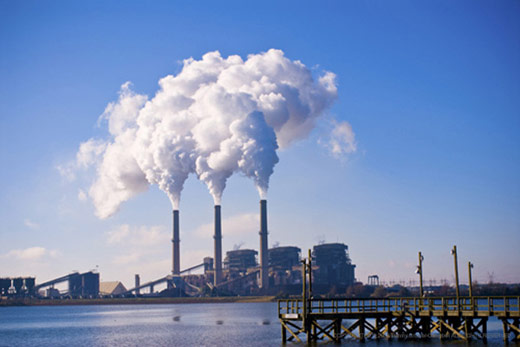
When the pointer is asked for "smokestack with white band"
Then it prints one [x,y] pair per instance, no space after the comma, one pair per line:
[176,265]
[264,259]
[218,246]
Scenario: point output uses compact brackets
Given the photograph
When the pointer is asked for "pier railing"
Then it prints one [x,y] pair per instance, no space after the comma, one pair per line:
[500,306]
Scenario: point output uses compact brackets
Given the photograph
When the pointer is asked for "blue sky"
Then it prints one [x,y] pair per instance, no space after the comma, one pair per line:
[430,88]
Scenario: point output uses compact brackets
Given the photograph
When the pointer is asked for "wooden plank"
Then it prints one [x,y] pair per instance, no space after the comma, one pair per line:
[290,331]
[449,327]
[324,330]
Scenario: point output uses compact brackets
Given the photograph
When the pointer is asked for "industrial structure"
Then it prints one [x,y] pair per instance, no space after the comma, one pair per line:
[240,260]
[17,286]
[79,285]
[264,258]
[243,271]
[241,275]
[284,258]
[213,269]
[218,246]
[176,256]
[334,267]
[285,269]
[111,288]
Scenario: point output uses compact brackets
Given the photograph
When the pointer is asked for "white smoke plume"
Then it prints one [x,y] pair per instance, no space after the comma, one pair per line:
[217,117]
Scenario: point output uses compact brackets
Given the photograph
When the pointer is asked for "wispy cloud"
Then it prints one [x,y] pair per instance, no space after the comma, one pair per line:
[119,234]
[138,235]
[31,253]
[126,258]
[30,224]
[235,225]
[136,242]
[82,196]
[342,139]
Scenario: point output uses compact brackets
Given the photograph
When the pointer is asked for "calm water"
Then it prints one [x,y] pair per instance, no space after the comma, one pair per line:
[244,324]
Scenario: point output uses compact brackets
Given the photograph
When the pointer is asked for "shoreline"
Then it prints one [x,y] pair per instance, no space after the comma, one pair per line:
[135,301]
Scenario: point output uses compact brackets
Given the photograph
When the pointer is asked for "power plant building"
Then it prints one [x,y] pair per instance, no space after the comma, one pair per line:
[333,265]
[285,269]
[84,285]
[284,258]
[240,260]
[111,288]
[17,286]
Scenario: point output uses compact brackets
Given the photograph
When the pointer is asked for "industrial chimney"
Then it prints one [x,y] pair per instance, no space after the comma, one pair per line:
[264,259]
[137,284]
[218,246]
[176,266]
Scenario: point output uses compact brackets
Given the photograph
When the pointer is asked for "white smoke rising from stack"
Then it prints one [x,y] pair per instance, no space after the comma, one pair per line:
[216,117]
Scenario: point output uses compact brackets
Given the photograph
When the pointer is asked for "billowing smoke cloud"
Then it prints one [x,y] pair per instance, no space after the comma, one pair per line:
[215,118]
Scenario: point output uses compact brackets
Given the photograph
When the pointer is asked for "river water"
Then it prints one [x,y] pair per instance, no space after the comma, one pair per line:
[222,324]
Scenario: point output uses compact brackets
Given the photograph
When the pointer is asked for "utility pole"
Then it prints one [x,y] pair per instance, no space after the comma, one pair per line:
[310,274]
[420,273]
[470,266]
[454,253]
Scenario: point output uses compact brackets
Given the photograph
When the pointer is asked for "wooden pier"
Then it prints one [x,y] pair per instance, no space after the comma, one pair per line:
[463,318]
[401,318]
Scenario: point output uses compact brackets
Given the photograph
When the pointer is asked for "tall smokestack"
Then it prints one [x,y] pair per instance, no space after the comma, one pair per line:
[176,266]
[137,284]
[218,245]
[264,259]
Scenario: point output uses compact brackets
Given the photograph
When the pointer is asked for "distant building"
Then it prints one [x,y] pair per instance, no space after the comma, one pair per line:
[52,293]
[111,288]
[333,265]
[240,260]
[84,285]
[373,280]
[17,286]
[284,258]
[5,284]
[208,264]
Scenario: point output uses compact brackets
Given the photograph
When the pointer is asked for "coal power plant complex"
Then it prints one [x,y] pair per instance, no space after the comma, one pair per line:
[210,122]
[265,271]
[247,271]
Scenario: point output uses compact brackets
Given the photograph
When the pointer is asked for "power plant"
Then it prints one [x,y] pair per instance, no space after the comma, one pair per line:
[242,272]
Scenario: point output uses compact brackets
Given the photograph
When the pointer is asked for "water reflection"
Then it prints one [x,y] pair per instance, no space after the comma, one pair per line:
[235,324]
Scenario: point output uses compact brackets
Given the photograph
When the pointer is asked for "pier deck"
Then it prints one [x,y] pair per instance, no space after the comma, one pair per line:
[463,318]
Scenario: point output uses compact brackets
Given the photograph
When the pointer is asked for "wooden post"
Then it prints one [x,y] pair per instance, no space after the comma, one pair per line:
[421,292]
[362,329]
[470,266]
[484,330]
[467,326]
[310,274]
[454,252]
[304,294]
[337,329]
